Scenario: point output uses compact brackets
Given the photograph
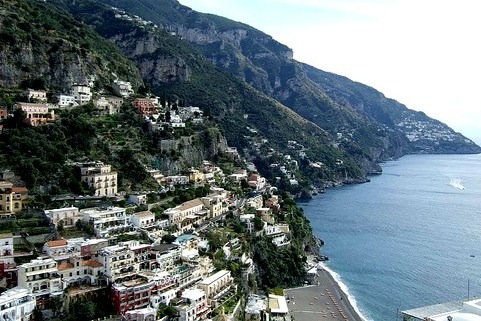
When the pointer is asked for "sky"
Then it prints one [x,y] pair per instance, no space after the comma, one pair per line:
[425,54]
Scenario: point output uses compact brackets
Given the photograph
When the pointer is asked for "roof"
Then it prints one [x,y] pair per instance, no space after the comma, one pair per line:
[190,204]
[92,263]
[6,235]
[56,243]
[432,310]
[65,266]
[143,214]
[19,189]
[278,304]
[214,277]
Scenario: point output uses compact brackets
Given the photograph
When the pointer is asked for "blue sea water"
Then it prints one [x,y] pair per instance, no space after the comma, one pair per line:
[409,238]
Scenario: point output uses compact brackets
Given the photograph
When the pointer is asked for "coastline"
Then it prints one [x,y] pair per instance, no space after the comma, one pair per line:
[328,300]
[336,278]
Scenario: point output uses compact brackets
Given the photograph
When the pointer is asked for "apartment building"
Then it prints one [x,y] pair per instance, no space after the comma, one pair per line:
[143,219]
[68,215]
[99,177]
[107,221]
[36,95]
[192,305]
[184,216]
[118,262]
[11,197]
[17,304]
[218,286]
[123,88]
[36,114]
[81,93]
[40,276]
[8,268]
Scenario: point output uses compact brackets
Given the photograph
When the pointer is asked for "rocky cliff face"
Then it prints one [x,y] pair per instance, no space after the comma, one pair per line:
[156,65]
[187,152]
[39,42]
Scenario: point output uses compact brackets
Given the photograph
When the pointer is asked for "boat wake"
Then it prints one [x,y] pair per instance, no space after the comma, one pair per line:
[456,183]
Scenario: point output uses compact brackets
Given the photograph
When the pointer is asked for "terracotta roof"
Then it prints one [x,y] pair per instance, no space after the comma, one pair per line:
[92,263]
[65,266]
[56,243]
[19,189]
[190,204]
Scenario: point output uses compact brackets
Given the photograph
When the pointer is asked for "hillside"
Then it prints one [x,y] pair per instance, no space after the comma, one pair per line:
[40,42]
[346,109]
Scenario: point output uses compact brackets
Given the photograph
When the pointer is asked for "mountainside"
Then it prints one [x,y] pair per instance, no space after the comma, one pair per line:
[39,41]
[260,127]
[356,115]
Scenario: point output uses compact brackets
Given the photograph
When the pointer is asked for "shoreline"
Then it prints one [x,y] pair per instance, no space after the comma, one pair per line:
[328,300]
[336,278]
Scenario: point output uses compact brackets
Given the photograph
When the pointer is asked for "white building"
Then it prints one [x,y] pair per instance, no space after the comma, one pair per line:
[137,199]
[217,286]
[6,248]
[185,215]
[36,95]
[194,306]
[123,88]
[118,261]
[81,93]
[99,177]
[108,105]
[68,215]
[107,221]
[40,276]
[17,304]
[145,314]
[143,219]
[455,311]
[66,101]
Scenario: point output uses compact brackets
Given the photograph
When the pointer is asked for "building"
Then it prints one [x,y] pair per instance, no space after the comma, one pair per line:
[99,177]
[192,305]
[278,306]
[8,268]
[450,311]
[184,216]
[81,93]
[143,219]
[107,221]
[146,106]
[123,88]
[218,287]
[17,304]
[145,314]
[36,95]
[36,114]
[41,277]
[215,204]
[108,105]
[3,113]
[11,197]
[68,216]
[166,256]
[118,261]
[66,101]
[137,199]
[136,292]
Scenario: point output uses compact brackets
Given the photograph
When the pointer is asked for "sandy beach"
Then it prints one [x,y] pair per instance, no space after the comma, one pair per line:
[324,301]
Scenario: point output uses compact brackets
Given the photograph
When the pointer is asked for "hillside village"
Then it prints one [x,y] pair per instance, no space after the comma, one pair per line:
[146,259]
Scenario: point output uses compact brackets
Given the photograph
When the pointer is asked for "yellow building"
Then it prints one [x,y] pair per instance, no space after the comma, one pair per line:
[195,176]
[11,197]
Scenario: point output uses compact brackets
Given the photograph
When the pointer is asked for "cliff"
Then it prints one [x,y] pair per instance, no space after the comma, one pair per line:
[39,41]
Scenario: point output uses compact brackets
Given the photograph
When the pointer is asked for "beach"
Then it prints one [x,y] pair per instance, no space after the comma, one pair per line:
[322,301]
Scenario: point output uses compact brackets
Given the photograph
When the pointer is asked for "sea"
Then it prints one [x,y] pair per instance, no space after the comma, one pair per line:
[410,237]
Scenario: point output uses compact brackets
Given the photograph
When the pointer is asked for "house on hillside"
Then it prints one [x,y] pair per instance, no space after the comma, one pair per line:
[36,114]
